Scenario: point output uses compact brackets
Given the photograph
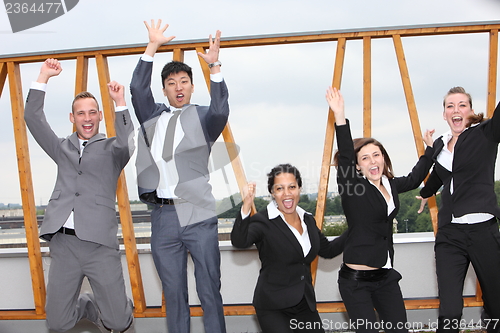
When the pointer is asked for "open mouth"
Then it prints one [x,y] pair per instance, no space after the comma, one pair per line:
[179,97]
[87,128]
[288,203]
[457,120]
[374,170]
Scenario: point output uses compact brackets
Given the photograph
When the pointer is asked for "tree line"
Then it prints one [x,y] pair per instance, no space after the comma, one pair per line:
[408,218]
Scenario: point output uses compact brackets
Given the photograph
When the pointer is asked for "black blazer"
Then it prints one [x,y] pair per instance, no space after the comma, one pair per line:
[285,274]
[369,236]
[473,174]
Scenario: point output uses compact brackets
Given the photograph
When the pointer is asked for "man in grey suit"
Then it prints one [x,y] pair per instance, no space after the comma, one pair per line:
[174,145]
[80,220]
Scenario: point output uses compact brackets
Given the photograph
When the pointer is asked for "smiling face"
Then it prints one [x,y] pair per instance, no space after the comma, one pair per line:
[286,192]
[457,110]
[371,163]
[178,89]
[86,117]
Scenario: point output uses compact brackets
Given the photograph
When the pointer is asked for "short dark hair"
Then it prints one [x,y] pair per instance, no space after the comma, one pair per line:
[82,95]
[279,169]
[175,67]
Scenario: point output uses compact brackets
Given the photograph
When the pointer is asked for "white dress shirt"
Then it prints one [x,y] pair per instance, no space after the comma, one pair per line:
[390,207]
[304,240]
[169,177]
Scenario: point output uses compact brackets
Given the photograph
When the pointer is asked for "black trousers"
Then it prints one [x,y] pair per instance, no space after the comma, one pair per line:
[361,298]
[298,318]
[458,245]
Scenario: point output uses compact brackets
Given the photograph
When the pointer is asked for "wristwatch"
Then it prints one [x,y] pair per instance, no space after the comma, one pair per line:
[217,63]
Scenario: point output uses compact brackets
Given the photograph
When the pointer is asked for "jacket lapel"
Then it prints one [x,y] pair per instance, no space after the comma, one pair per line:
[438,146]
[313,238]
[283,227]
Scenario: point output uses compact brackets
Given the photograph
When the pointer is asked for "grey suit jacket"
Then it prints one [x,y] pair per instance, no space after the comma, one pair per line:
[202,125]
[87,186]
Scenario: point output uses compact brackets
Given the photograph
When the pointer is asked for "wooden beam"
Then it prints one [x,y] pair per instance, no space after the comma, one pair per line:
[492,73]
[3,75]
[204,68]
[410,99]
[134,268]
[227,135]
[26,184]
[412,110]
[367,87]
[312,37]
[82,74]
[328,149]
[178,54]
[247,309]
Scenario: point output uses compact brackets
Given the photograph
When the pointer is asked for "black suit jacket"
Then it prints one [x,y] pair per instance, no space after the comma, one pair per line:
[473,174]
[369,236]
[285,274]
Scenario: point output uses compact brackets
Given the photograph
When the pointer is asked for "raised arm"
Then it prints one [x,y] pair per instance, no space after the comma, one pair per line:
[124,144]
[117,93]
[156,37]
[248,198]
[242,235]
[51,67]
[34,114]
[336,103]
[212,55]
[140,86]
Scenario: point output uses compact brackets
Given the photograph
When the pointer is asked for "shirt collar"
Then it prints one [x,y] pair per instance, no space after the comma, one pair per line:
[384,180]
[273,212]
[81,141]
[446,136]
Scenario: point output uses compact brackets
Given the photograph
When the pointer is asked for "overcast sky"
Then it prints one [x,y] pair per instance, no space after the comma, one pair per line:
[278,110]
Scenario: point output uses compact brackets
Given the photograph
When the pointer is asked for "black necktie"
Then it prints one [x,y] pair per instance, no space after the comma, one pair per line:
[168,145]
[84,143]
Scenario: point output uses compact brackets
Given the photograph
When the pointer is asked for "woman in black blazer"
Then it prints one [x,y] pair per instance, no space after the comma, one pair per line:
[288,240]
[369,193]
[467,221]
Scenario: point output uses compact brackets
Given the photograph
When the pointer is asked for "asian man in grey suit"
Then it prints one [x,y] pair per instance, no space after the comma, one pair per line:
[174,145]
[80,219]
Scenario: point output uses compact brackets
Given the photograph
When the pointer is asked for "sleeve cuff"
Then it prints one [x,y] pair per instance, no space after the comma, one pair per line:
[217,77]
[39,86]
[120,108]
[147,58]
[244,216]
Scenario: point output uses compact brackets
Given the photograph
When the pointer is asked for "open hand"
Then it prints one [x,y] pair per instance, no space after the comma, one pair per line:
[212,54]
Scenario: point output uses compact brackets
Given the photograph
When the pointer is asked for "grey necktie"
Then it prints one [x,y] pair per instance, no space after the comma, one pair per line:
[168,145]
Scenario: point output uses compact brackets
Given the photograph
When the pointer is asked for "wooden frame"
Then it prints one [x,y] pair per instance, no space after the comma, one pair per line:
[9,67]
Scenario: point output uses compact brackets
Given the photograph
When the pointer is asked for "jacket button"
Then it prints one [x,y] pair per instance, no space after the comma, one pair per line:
[79,172]
[385,238]
[302,277]
[77,194]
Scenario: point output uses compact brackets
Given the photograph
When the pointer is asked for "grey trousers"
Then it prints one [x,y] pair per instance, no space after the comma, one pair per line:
[170,244]
[71,260]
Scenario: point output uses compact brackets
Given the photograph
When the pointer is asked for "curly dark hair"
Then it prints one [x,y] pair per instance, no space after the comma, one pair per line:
[279,169]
